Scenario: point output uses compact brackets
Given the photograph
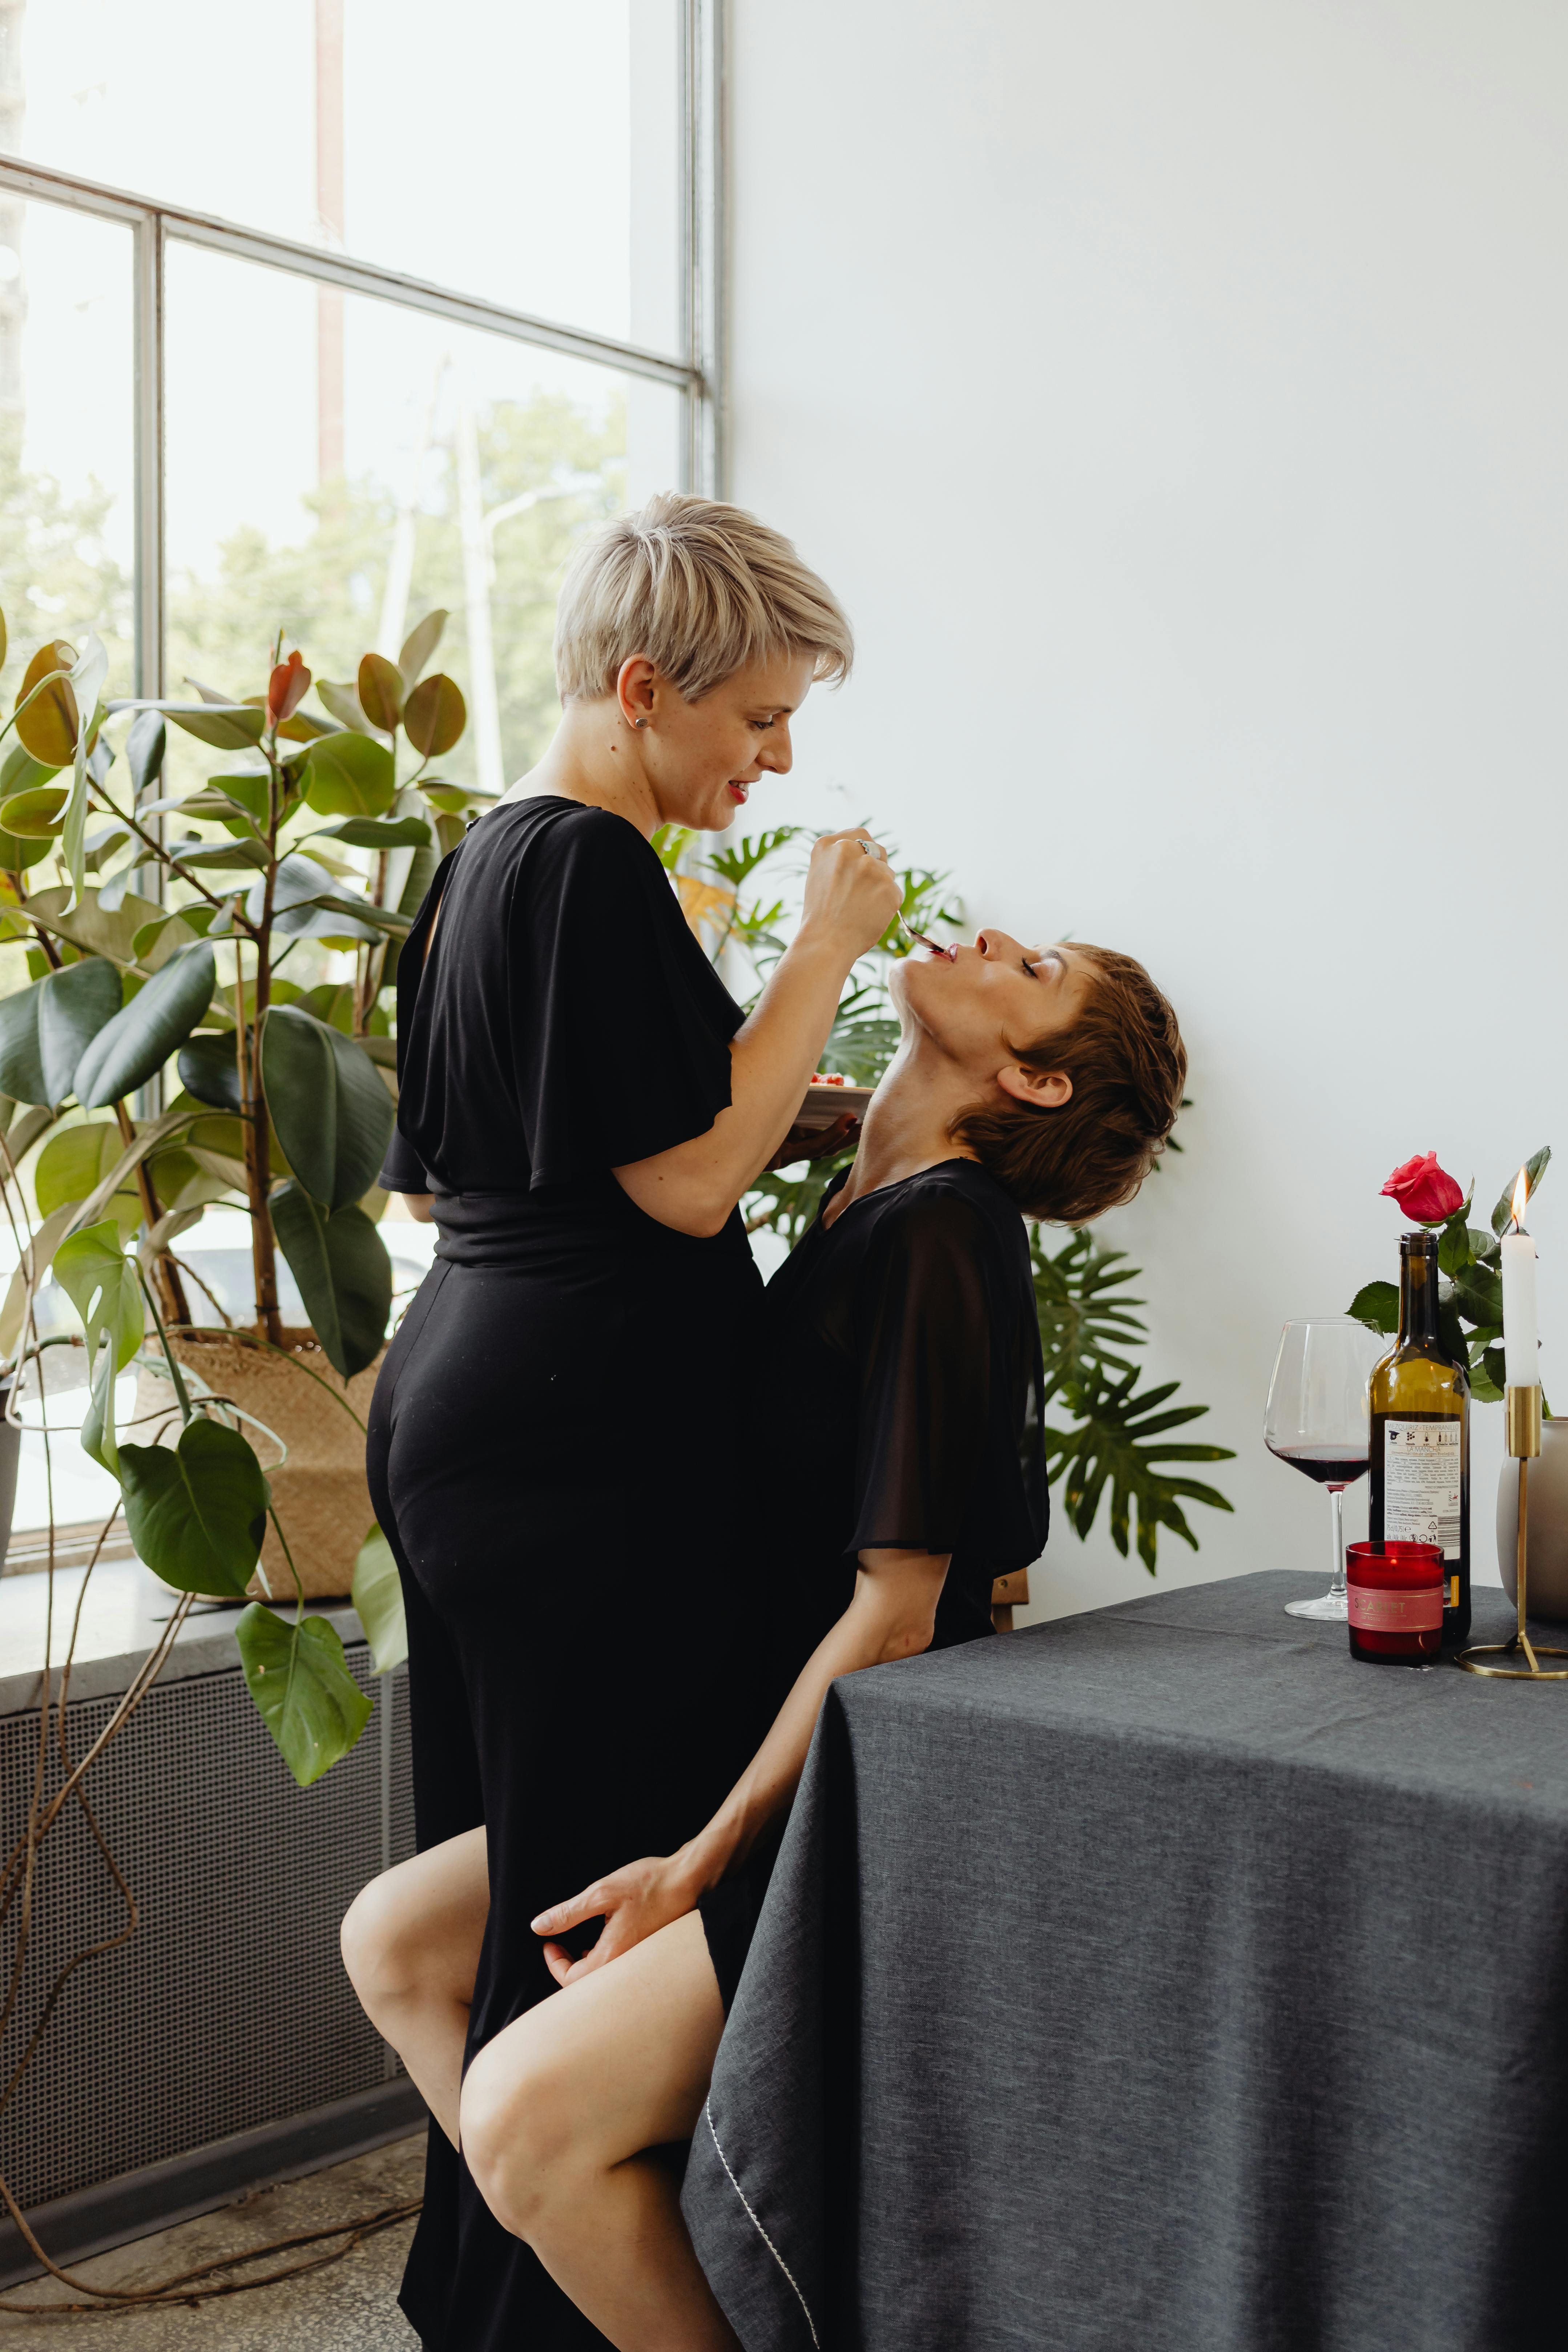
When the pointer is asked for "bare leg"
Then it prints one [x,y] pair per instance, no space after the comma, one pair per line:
[411,1946]
[558,2112]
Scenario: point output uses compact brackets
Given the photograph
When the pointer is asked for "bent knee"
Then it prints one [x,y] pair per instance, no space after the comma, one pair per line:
[521,2137]
[382,1948]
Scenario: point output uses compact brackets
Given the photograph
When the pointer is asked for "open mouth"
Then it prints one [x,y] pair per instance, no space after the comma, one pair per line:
[740,793]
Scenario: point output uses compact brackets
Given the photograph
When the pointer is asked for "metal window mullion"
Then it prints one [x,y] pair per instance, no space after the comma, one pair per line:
[366,277]
[703,217]
[148,267]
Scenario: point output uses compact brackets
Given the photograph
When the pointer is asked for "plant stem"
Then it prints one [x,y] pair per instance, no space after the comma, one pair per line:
[257,1162]
[176,1307]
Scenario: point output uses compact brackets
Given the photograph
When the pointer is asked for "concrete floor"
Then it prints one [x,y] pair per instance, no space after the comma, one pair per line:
[347,2306]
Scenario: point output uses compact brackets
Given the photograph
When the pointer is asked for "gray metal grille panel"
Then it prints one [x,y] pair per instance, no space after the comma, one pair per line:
[229,2007]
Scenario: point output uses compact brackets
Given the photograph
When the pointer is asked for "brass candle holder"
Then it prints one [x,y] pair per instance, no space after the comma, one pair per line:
[1522,1408]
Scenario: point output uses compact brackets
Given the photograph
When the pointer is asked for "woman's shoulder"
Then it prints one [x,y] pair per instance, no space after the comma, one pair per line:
[957,1203]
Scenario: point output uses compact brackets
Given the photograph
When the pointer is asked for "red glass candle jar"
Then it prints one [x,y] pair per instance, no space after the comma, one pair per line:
[1395,1602]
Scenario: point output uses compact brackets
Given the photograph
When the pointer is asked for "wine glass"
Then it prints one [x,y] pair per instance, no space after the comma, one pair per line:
[1319,1419]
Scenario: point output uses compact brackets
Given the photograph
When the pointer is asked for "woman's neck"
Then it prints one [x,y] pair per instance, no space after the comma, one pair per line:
[907,1122]
[595,758]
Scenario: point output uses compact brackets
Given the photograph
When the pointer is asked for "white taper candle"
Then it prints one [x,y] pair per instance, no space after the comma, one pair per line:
[1521,1333]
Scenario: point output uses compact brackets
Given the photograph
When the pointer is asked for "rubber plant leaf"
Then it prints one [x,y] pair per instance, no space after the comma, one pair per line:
[333,1115]
[209,1069]
[87,679]
[196,1511]
[370,832]
[145,745]
[344,1275]
[419,646]
[304,1693]
[378,1597]
[340,697]
[235,728]
[89,925]
[45,1029]
[159,1018]
[433,716]
[380,692]
[350,775]
[37,814]
[46,727]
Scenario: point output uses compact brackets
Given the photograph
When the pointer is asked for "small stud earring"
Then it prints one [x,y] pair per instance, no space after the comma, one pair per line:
[640,722]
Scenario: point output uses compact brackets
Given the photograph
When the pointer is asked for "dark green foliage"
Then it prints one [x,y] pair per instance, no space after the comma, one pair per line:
[1114,1438]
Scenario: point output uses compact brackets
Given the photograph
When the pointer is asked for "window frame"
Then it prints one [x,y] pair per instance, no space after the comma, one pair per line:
[696,373]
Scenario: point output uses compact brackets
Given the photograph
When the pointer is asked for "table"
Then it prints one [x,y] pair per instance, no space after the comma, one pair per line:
[1158,1980]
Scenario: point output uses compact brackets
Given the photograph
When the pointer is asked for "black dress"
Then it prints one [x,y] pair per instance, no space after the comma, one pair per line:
[549,1431]
[899,1391]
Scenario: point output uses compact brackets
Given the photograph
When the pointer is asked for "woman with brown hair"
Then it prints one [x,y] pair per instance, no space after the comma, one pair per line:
[897,1468]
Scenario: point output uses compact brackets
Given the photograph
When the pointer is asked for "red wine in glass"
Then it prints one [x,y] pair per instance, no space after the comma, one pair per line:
[1330,1465]
[1319,1419]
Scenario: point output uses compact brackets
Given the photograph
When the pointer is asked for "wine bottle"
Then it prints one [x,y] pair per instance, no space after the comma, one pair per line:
[1420,1399]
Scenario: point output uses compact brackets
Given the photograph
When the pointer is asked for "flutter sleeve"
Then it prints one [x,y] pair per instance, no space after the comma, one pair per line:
[620,1026]
[923,1341]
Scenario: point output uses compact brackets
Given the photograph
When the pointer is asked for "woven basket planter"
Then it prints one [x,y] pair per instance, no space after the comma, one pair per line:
[319,1491]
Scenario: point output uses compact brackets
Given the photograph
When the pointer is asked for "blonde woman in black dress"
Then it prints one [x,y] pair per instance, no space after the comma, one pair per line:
[585,1104]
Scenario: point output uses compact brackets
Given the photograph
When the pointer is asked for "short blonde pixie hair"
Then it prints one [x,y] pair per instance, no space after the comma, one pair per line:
[700,590]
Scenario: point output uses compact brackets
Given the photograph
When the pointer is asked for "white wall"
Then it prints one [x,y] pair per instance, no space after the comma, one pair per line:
[1176,392]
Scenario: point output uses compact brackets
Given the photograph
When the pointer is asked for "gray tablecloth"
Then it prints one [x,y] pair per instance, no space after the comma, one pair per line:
[1156,1980]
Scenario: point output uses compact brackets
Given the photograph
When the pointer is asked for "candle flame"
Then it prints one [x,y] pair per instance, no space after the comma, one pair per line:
[1520,1199]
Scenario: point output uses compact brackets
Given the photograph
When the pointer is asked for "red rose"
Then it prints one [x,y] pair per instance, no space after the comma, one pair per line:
[286,690]
[1426,1192]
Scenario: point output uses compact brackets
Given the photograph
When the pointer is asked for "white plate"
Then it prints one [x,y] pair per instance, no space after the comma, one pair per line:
[823,1105]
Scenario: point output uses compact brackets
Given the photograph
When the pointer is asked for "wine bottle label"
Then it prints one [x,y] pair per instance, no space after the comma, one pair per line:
[1421,1483]
[1374,1609]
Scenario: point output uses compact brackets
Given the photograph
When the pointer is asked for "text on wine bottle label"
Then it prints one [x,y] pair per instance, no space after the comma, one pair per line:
[1421,1483]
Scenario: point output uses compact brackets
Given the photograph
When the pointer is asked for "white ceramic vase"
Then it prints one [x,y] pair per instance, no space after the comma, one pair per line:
[1546,1573]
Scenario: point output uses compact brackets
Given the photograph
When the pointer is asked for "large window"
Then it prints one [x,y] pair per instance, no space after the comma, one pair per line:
[317,314]
[323,312]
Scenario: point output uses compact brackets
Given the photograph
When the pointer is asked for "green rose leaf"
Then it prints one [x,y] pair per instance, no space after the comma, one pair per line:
[304,1693]
[344,1275]
[1534,1169]
[350,775]
[1478,1293]
[378,1597]
[45,1029]
[196,1511]
[333,1115]
[1376,1305]
[433,716]
[140,1040]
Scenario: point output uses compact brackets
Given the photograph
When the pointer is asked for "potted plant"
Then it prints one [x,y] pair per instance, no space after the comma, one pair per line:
[154,947]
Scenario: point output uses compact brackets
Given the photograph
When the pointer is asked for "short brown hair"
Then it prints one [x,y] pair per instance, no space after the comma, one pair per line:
[702,590]
[1128,1065]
